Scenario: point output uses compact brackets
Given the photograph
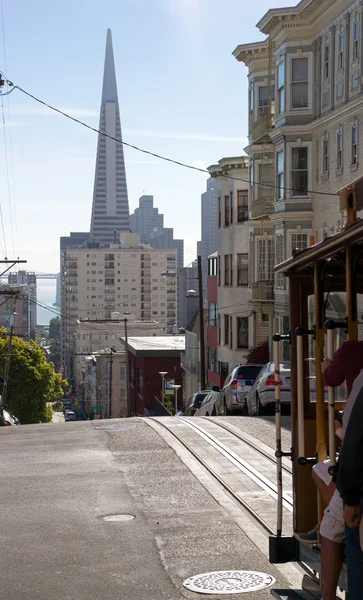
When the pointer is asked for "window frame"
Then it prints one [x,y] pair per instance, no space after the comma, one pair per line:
[295,193]
[326,60]
[227,276]
[341,43]
[339,141]
[242,269]
[212,314]
[279,258]
[354,144]
[264,262]
[280,175]
[304,242]
[281,97]
[219,212]
[325,154]
[231,208]
[245,329]
[226,211]
[226,330]
[355,45]
[299,82]
[242,208]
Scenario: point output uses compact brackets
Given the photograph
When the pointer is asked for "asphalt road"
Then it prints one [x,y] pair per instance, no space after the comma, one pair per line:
[57,483]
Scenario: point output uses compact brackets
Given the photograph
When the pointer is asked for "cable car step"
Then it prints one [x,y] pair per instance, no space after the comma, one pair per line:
[292,595]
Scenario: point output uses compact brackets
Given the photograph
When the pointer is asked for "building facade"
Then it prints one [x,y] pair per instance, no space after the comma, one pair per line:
[305,90]
[110,209]
[231,175]
[215,371]
[148,357]
[147,221]
[125,277]
[28,281]
[209,227]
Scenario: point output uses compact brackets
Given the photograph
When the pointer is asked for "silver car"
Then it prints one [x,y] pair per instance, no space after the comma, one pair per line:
[236,387]
[261,397]
[208,406]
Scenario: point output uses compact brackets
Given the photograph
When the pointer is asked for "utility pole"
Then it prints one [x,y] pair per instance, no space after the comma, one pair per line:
[201,325]
[8,358]
[128,403]
[110,387]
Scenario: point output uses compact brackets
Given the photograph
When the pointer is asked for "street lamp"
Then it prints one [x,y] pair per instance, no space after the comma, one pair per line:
[162,373]
[176,387]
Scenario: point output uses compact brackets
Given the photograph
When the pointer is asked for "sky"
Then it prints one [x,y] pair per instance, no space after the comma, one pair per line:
[181,94]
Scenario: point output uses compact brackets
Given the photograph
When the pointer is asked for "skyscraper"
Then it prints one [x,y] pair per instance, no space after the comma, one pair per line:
[209,215]
[110,210]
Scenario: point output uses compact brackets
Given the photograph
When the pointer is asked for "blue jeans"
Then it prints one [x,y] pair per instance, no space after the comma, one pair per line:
[354,556]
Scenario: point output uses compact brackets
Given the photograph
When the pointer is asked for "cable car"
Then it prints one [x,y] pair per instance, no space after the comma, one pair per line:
[333,266]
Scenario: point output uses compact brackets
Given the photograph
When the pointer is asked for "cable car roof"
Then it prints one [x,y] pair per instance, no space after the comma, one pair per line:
[305,259]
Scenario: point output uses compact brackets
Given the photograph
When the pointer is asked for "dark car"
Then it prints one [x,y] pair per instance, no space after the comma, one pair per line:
[194,403]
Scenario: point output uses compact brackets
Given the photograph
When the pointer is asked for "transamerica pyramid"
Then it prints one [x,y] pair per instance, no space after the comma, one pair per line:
[110,209]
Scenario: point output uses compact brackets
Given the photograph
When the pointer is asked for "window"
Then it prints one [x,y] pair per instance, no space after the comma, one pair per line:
[300,83]
[226,211]
[219,270]
[280,170]
[141,382]
[231,207]
[212,360]
[299,241]
[279,258]
[326,60]
[212,314]
[354,149]
[340,148]
[355,39]
[242,332]
[251,102]
[340,49]
[299,171]
[219,212]
[242,206]
[231,269]
[262,100]
[325,155]
[281,87]
[242,269]
[231,332]
[122,373]
[219,329]
[226,330]
[354,82]
[340,89]
[226,270]
[264,253]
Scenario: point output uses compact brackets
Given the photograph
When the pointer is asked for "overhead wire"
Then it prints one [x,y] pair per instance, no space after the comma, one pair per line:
[150,153]
[10,134]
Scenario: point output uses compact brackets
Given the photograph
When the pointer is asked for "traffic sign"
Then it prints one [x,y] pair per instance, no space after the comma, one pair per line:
[96,407]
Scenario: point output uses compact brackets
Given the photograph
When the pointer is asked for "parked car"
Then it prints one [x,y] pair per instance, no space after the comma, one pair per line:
[236,387]
[208,406]
[5,418]
[194,403]
[261,396]
[69,415]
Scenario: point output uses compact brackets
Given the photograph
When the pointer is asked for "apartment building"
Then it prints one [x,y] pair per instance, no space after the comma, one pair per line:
[231,175]
[214,367]
[305,91]
[124,277]
[92,337]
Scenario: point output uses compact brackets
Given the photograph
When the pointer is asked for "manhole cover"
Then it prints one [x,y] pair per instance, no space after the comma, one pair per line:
[119,518]
[113,427]
[228,582]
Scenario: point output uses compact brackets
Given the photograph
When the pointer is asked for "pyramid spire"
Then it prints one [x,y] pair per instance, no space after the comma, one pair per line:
[110,210]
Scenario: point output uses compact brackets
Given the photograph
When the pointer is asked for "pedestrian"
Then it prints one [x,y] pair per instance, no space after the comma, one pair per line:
[350,486]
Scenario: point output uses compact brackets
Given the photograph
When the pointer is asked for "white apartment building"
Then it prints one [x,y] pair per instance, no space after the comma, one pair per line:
[91,337]
[125,277]
[233,239]
[305,111]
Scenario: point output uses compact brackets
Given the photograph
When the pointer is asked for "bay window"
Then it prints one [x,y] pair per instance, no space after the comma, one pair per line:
[281,87]
[299,83]
[299,171]
[280,175]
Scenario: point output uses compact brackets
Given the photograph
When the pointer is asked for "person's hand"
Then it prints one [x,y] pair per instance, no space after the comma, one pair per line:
[352,515]
[326,362]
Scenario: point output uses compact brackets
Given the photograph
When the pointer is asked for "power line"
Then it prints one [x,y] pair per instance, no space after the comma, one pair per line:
[154,154]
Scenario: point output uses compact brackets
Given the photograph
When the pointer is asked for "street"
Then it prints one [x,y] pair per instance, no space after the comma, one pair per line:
[59,481]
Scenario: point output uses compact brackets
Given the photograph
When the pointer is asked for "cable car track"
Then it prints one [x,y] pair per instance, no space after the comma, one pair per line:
[248,443]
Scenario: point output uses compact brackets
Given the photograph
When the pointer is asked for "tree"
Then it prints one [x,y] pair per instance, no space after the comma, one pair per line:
[55,353]
[54,328]
[32,382]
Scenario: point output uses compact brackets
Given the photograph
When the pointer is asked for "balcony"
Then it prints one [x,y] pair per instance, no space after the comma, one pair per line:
[262,207]
[263,290]
[262,126]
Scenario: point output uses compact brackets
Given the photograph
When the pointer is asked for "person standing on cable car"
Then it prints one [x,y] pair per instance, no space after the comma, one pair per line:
[345,366]
[350,487]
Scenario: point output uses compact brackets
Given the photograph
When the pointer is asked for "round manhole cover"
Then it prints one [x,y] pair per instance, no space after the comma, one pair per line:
[228,582]
[113,427]
[119,518]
